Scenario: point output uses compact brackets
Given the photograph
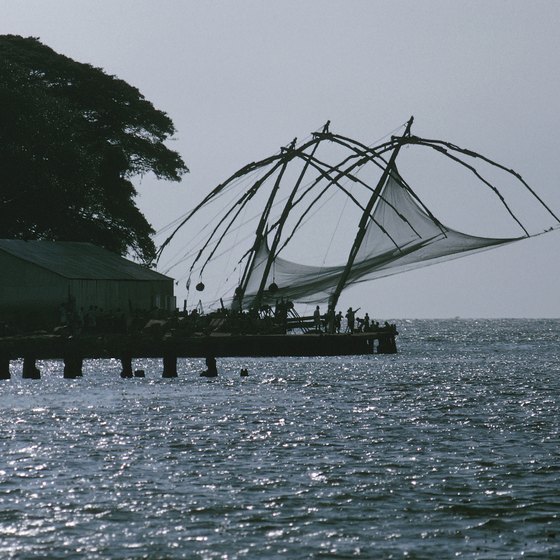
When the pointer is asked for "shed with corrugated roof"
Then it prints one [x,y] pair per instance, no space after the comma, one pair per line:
[39,278]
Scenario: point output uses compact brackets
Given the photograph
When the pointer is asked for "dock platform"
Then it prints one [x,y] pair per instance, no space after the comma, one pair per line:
[73,350]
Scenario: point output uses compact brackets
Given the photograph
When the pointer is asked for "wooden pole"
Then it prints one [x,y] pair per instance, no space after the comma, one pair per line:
[280,224]
[364,221]
[259,234]
[126,362]
[169,366]
[72,366]
[30,369]
[5,367]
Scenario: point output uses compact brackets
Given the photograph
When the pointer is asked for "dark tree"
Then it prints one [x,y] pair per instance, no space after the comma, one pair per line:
[71,139]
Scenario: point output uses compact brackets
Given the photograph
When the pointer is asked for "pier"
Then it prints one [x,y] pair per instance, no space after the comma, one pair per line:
[72,351]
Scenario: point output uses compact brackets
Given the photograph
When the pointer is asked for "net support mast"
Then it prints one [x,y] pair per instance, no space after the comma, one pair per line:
[260,235]
[333,300]
[280,224]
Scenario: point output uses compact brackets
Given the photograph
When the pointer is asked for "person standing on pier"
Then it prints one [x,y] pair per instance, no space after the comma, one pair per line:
[330,320]
[317,319]
[338,321]
[350,320]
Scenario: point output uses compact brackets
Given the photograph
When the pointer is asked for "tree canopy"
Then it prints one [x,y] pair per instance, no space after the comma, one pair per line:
[71,139]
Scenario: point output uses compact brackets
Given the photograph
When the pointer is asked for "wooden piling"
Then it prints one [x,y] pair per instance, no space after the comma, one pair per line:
[126,348]
[387,344]
[212,370]
[72,366]
[5,367]
[169,366]
[126,362]
[30,369]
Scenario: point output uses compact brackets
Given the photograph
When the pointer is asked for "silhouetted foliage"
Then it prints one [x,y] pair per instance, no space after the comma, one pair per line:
[71,138]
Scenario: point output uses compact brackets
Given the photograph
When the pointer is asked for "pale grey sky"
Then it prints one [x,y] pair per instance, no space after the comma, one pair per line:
[240,79]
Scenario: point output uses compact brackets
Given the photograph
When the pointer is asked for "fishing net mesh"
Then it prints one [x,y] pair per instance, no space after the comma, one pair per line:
[400,236]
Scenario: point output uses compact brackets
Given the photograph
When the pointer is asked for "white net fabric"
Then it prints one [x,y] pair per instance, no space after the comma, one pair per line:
[400,237]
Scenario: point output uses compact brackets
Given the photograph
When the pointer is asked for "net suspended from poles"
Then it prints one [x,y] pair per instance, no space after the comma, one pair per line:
[394,231]
[400,236]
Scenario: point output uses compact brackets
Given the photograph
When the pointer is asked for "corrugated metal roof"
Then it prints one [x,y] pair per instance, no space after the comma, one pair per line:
[78,260]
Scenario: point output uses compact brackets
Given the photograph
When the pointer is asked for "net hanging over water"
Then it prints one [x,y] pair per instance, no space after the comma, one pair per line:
[400,236]
[396,232]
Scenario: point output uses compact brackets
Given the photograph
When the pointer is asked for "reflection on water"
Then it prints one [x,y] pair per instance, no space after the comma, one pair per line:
[450,448]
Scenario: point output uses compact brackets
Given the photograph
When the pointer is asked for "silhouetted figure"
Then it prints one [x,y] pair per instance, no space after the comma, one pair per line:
[350,320]
[338,321]
[281,312]
[236,306]
[244,372]
[317,319]
[330,320]
[366,323]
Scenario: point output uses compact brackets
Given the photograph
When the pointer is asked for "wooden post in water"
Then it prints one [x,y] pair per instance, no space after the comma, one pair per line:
[387,344]
[212,370]
[126,362]
[30,369]
[169,366]
[72,366]
[5,367]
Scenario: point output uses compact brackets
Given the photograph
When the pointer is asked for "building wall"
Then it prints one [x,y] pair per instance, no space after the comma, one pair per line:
[28,293]
[124,295]
[31,296]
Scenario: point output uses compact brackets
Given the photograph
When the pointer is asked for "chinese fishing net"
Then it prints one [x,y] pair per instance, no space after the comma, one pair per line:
[400,236]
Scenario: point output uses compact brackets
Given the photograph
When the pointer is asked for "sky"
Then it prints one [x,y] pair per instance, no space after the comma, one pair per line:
[240,79]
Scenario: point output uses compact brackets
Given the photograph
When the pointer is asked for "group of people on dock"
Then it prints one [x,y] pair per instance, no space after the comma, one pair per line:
[278,319]
[331,322]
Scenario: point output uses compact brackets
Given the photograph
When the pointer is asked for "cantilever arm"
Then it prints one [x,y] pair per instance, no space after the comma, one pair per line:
[473,170]
[245,170]
[241,202]
[356,179]
[315,163]
[471,153]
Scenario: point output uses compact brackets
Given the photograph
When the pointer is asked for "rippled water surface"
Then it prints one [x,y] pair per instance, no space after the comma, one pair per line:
[449,449]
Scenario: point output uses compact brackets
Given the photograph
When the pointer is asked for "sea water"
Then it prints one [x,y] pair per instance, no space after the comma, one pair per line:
[451,448]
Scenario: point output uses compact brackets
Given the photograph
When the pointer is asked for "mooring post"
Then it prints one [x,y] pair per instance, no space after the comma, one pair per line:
[212,370]
[5,367]
[126,362]
[72,366]
[169,366]
[30,369]
[387,344]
